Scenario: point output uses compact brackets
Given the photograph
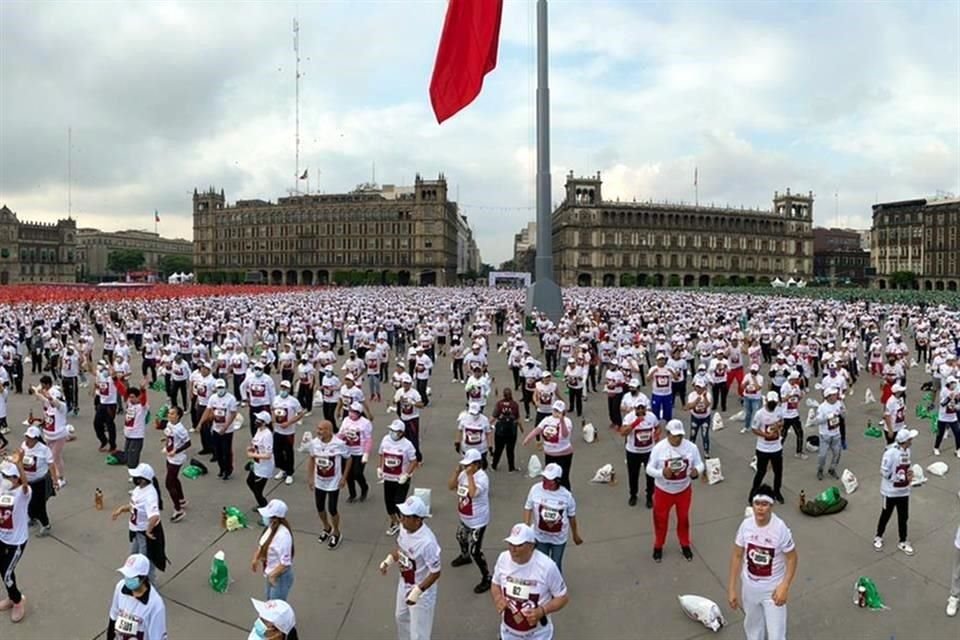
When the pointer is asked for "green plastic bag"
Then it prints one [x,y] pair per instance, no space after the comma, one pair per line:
[241,517]
[162,412]
[192,472]
[829,496]
[872,431]
[112,460]
[871,594]
[219,573]
[159,385]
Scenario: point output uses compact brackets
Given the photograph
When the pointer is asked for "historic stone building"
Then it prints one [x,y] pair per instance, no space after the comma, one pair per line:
[838,256]
[36,252]
[921,237]
[94,247]
[599,242]
[403,235]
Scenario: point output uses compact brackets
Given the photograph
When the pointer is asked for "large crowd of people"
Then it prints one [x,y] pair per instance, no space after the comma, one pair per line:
[341,379]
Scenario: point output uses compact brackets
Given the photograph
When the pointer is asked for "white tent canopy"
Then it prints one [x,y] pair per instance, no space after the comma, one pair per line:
[777,282]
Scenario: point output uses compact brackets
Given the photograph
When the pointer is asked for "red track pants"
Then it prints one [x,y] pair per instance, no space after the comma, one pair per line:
[735,374]
[662,503]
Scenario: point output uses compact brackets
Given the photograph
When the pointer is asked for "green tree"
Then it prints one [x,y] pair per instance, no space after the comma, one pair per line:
[674,281]
[628,280]
[903,280]
[172,263]
[124,260]
[719,281]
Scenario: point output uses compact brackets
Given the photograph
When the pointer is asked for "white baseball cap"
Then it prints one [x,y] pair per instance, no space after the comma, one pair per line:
[470,456]
[285,384]
[276,612]
[906,434]
[413,506]
[675,428]
[356,406]
[794,375]
[7,468]
[350,377]
[397,425]
[559,405]
[521,534]
[897,387]
[263,416]
[220,384]
[830,391]
[552,471]
[135,566]
[406,379]
[773,396]
[634,383]
[274,509]
[142,470]
[32,431]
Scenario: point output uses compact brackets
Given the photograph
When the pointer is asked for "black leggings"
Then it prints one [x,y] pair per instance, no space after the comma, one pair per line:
[471,546]
[37,509]
[575,397]
[10,555]
[257,485]
[283,452]
[797,429]
[942,429]
[356,477]
[775,460]
[326,501]
[458,369]
[393,494]
[902,505]
[720,391]
[634,461]
[505,439]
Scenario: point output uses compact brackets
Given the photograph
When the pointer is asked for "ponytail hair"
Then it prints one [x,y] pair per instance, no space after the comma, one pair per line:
[156,485]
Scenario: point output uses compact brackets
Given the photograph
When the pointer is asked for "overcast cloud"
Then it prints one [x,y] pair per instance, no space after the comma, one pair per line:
[860,98]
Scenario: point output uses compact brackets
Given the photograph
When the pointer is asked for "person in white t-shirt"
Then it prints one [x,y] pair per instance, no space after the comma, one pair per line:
[528,588]
[176,443]
[764,558]
[896,476]
[329,467]
[948,401]
[640,431]
[767,425]
[552,512]
[15,496]
[418,560]
[42,476]
[144,508]
[829,415]
[674,462]
[472,485]
[275,550]
[137,611]
[398,461]
[260,451]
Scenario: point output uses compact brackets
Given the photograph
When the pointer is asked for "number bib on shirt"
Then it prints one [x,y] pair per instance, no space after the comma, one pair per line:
[325,467]
[519,599]
[472,436]
[129,416]
[550,518]
[642,437]
[6,512]
[408,568]
[900,476]
[128,626]
[833,422]
[679,467]
[464,502]
[391,463]
[258,390]
[759,560]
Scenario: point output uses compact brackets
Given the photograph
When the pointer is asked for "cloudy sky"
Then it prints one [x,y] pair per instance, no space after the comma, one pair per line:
[856,98]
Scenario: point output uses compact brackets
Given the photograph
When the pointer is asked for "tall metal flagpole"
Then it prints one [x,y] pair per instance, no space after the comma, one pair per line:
[544,294]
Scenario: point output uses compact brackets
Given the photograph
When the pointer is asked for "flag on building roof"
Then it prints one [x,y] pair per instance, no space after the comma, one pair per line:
[156,215]
[467,53]
[304,176]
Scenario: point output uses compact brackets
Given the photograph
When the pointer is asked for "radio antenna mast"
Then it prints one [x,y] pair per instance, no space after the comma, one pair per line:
[296,51]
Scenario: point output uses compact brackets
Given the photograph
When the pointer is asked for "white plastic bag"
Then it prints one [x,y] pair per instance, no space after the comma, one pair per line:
[850,482]
[748,512]
[589,433]
[318,398]
[534,467]
[237,423]
[702,610]
[739,416]
[868,397]
[913,363]
[717,423]
[714,472]
[918,476]
[305,441]
[753,463]
[938,469]
[604,474]
[811,416]
[813,404]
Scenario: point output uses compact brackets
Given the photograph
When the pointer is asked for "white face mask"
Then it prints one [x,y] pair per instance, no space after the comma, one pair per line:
[396,435]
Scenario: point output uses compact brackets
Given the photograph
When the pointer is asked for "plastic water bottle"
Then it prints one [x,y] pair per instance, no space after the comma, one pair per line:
[219,573]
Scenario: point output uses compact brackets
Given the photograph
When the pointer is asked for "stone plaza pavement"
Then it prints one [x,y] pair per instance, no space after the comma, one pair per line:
[617,591]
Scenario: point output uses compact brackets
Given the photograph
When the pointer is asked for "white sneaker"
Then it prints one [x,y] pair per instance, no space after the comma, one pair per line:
[393,529]
[279,475]
[958,453]
[952,603]
[878,543]
[906,547]
[743,429]
[936,452]
[63,482]
[288,481]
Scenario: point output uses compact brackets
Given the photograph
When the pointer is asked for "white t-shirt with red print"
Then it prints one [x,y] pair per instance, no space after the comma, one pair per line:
[527,586]
[329,458]
[552,511]
[474,512]
[764,550]
[398,455]
[681,460]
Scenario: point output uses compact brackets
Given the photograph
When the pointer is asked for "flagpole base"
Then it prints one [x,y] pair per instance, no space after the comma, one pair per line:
[545,296]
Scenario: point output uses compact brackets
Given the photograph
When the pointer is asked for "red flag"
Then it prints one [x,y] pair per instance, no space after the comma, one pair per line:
[467,52]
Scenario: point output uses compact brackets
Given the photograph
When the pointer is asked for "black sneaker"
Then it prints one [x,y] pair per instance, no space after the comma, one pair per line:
[779,498]
[832,473]
[819,474]
[657,555]
[649,502]
[632,501]
[352,499]
[334,541]
[460,561]
[363,497]
[484,585]
[687,553]
[323,536]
